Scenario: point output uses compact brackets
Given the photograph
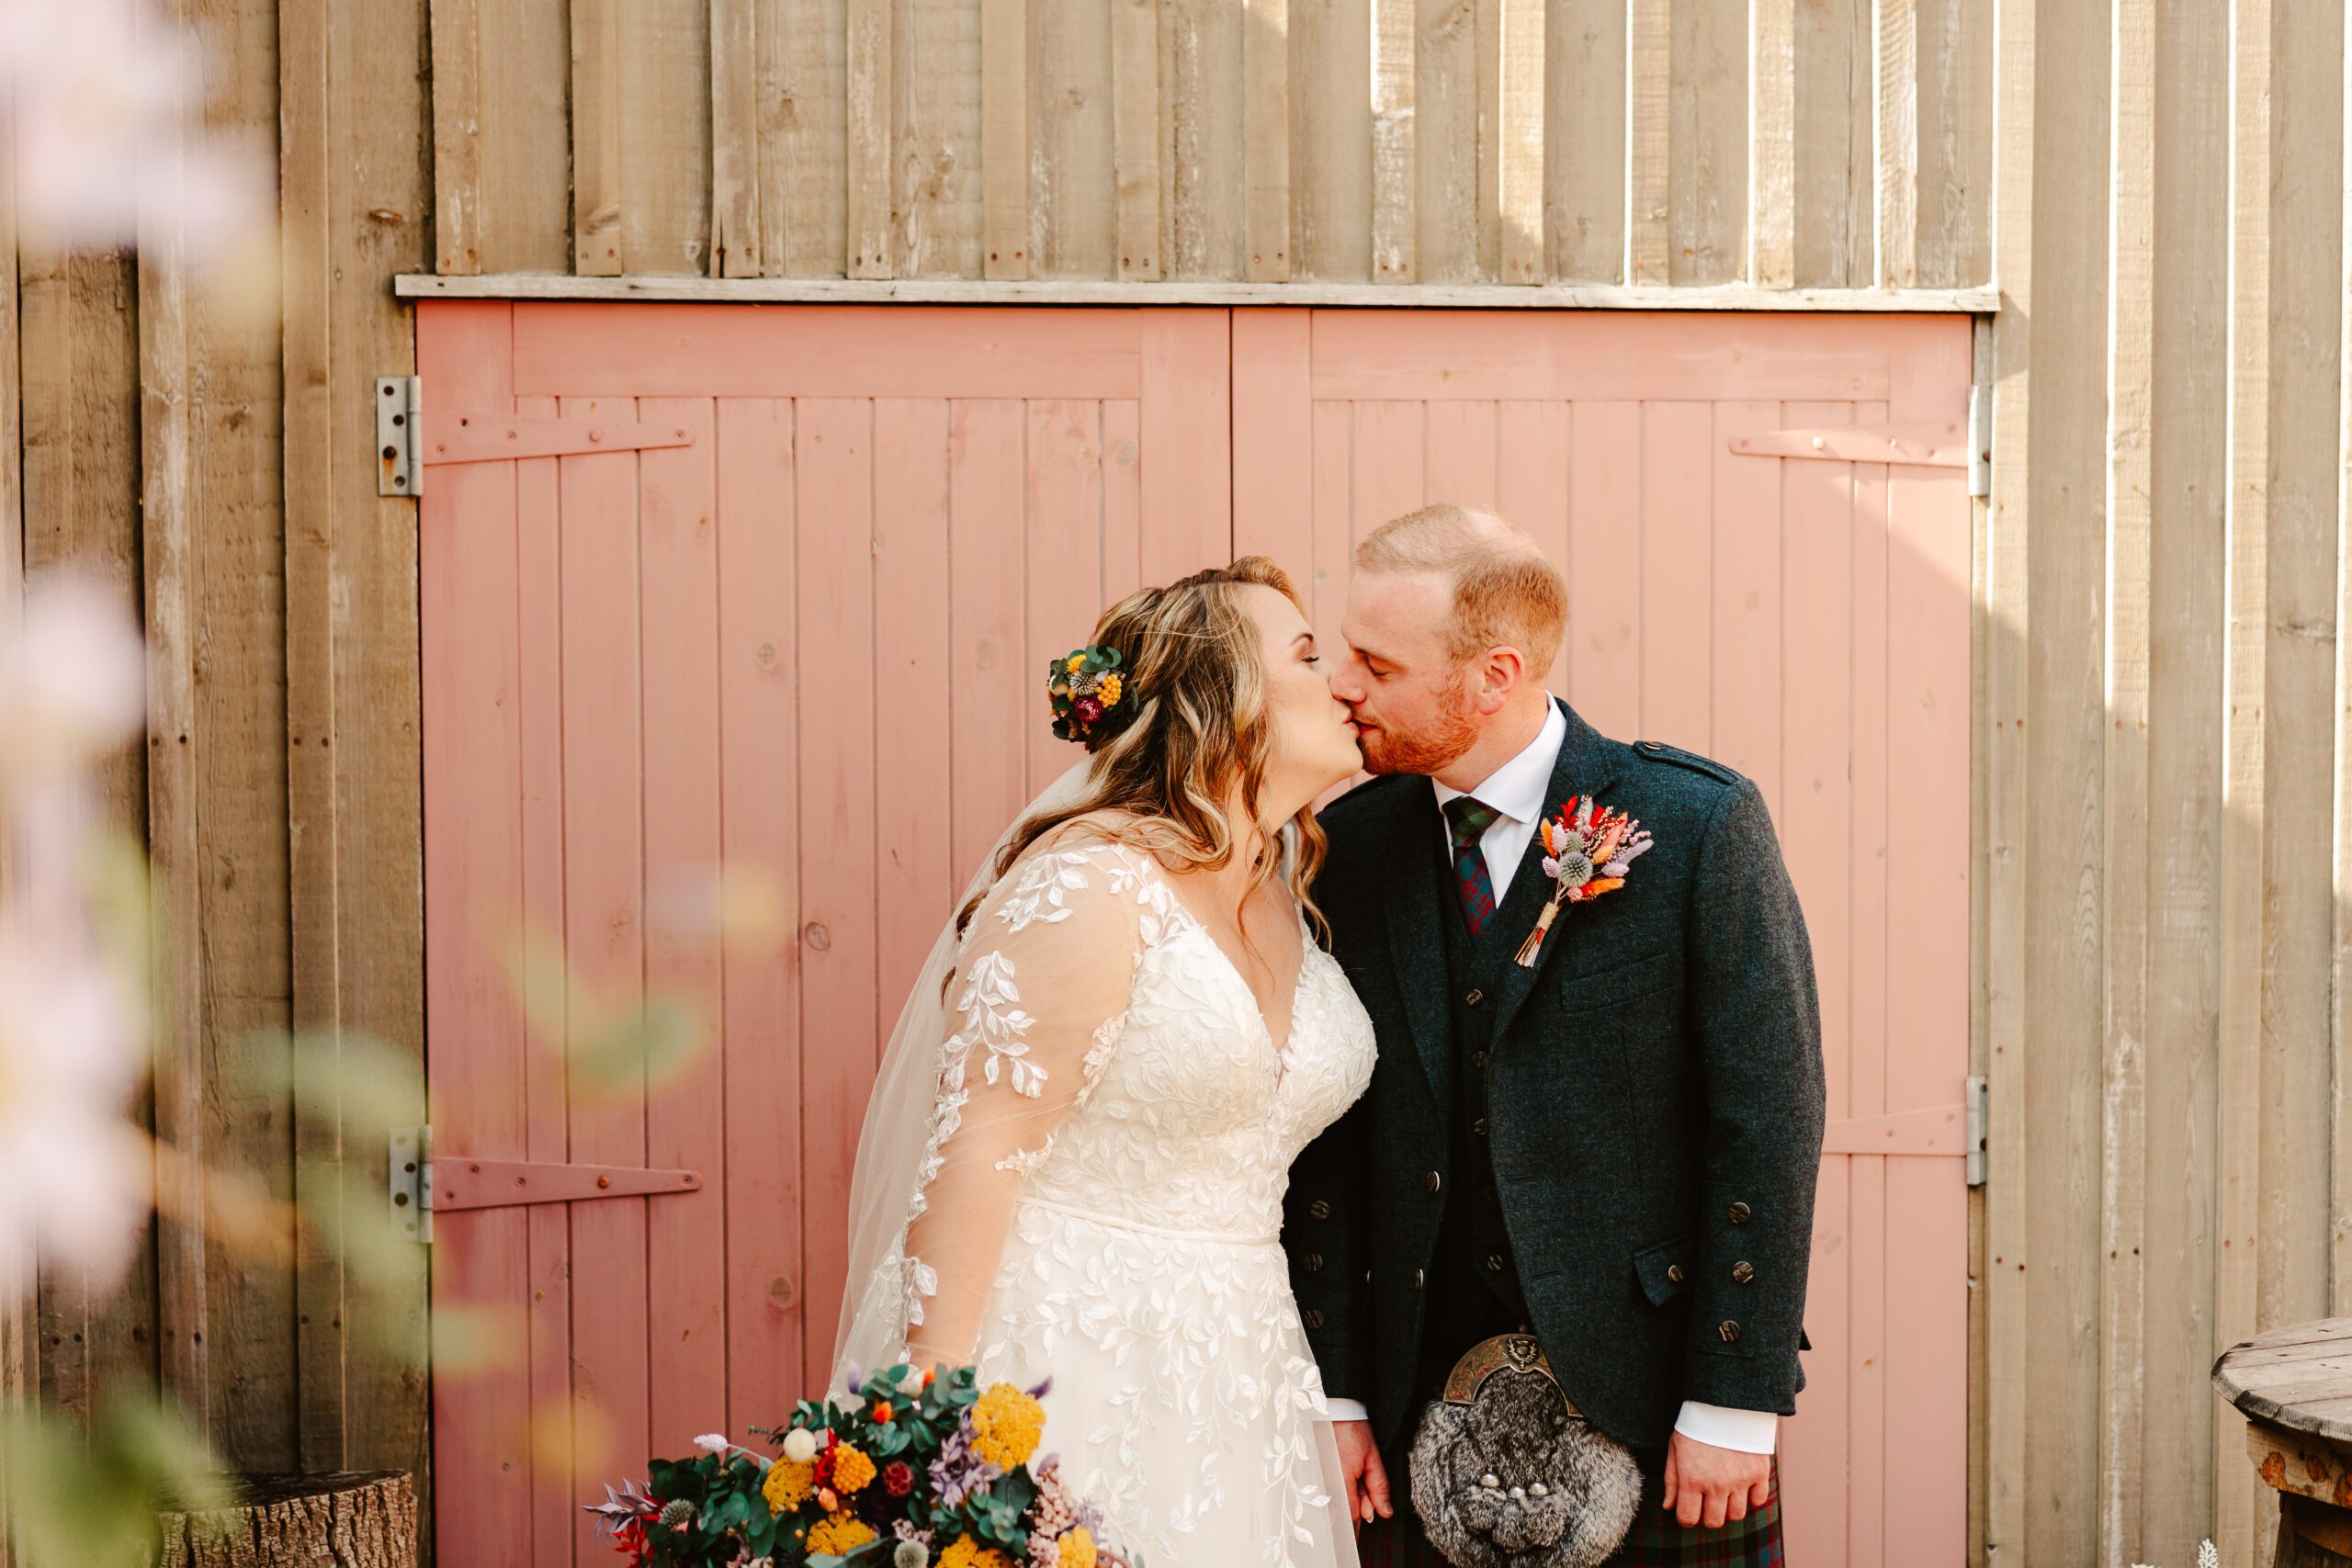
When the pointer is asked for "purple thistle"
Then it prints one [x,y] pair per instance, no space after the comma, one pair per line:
[856,1379]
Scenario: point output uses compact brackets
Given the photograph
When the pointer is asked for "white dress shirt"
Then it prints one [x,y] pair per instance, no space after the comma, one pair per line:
[1515,793]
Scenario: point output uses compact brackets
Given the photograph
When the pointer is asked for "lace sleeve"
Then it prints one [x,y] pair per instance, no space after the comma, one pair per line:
[1038,997]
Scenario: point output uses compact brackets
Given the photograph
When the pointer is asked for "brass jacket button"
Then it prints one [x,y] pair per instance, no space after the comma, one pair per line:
[1319,1209]
[1432,1181]
[1314,1261]
[1730,1331]
[1419,1279]
[1742,1272]
[1473,998]
[1674,1273]
[1494,1262]
[1739,1214]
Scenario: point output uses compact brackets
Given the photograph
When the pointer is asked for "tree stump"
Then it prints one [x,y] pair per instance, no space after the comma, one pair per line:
[362,1520]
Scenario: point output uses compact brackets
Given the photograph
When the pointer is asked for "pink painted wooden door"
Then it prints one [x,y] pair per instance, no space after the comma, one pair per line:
[798,642]
[1804,619]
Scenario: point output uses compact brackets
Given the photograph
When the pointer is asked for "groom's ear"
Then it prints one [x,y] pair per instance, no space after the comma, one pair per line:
[1501,673]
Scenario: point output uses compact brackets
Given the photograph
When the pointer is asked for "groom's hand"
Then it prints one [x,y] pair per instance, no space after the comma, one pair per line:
[1707,1485]
[1362,1480]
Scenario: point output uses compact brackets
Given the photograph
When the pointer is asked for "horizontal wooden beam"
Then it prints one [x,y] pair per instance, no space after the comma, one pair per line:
[1065,291]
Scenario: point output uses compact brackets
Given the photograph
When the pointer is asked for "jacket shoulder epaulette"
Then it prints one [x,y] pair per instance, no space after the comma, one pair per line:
[1657,751]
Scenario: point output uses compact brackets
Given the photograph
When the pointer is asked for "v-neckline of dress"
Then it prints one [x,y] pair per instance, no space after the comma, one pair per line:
[1298,980]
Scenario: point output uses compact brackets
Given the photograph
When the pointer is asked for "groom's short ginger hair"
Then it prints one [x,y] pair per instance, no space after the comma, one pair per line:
[1505,589]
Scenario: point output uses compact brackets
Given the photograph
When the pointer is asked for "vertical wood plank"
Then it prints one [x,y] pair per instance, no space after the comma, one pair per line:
[1707,143]
[1333,457]
[1135,136]
[804,169]
[1395,178]
[1649,53]
[2240,1526]
[1187,441]
[468,595]
[457,135]
[1203,186]
[1064,570]
[1836,161]
[538,578]
[665,84]
[1519,128]
[685,1108]
[604,942]
[1772,143]
[1331,138]
[868,76]
[833,466]
[1604,630]
[1898,144]
[597,173]
[1955,141]
[1531,489]
[1123,499]
[2188,458]
[1745,679]
[1273,476]
[1586,72]
[1073,219]
[1266,134]
[935,51]
[1445,141]
[914,883]
[1388,477]
[1460,436]
[1004,137]
[502,185]
[990,682]
[2125,811]
[768,1301]
[1677,581]
[352,194]
[734,139]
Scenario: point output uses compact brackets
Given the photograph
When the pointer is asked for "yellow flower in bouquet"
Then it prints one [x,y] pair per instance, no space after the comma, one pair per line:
[838,1535]
[852,1472]
[1077,1549]
[1007,1426]
[966,1553]
[788,1485]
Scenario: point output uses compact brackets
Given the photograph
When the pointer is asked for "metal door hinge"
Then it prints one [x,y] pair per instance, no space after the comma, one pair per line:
[408,436]
[1980,439]
[422,1187]
[1980,1111]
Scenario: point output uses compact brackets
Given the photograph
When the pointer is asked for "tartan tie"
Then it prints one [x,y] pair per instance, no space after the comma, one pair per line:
[1466,821]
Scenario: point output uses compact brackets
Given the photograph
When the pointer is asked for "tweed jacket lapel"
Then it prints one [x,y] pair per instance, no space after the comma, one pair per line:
[1587,764]
[1418,943]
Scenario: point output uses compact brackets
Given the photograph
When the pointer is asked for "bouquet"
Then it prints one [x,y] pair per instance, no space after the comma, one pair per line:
[919,1469]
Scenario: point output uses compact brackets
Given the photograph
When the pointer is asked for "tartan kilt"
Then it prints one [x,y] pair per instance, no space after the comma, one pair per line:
[1657,1540]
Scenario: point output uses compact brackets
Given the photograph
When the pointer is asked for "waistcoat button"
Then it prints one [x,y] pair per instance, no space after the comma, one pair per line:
[1478,1059]
[1419,1279]
[1319,1209]
[1473,998]
[1432,1181]
[1494,1262]
[1314,1263]
[1730,1331]
[1479,1126]
[1739,1213]
[1743,1272]
[1312,1318]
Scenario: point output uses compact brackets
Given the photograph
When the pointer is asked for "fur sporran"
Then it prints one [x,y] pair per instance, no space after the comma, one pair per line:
[1506,1473]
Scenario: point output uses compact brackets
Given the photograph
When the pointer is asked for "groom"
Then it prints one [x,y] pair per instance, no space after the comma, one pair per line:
[1615,1148]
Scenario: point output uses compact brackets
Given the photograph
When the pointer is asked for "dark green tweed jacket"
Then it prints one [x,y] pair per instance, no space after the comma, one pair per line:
[1656,1114]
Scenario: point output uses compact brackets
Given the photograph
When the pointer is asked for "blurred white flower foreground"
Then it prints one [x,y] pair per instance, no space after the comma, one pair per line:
[76,1176]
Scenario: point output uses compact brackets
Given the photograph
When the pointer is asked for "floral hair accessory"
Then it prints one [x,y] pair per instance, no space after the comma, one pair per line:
[1092,694]
[1587,848]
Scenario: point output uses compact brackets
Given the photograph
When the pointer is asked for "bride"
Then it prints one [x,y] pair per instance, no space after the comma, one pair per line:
[1074,1161]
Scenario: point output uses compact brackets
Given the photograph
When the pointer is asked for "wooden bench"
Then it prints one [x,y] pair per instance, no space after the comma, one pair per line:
[2294,1385]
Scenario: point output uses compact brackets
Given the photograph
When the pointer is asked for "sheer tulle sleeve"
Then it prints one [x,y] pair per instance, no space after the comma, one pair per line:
[1038,999]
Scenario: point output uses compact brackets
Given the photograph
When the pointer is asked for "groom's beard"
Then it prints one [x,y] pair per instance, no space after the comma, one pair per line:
[1453,732]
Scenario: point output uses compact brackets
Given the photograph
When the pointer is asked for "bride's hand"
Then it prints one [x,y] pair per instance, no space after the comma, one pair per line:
[1363,1482]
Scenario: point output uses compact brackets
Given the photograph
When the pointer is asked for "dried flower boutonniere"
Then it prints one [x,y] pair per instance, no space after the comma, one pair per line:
[1585,850]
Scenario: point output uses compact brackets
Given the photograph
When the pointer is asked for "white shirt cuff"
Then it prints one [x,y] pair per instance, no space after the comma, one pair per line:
[1346,1410]
[1722,1427]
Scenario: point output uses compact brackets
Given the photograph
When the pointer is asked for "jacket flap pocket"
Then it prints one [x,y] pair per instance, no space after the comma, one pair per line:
[1665,1270]
[1616,984]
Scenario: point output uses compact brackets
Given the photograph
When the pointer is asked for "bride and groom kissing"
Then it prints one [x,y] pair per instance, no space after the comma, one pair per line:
[1244,1122]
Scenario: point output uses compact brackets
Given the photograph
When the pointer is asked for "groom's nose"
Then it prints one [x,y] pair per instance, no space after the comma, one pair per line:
[1348,681]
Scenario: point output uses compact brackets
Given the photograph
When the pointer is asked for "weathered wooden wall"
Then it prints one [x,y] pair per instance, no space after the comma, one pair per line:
[1838,143]
[2164,749]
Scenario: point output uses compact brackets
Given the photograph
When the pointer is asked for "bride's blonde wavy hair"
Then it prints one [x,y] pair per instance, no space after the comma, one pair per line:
[1160,780]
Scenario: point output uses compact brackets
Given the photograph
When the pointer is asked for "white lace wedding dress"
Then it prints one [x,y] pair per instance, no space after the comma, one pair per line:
[1100,1202]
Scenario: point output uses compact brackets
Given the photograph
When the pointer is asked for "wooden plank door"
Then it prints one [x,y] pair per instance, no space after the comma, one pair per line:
[1804,619]
[714,727]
